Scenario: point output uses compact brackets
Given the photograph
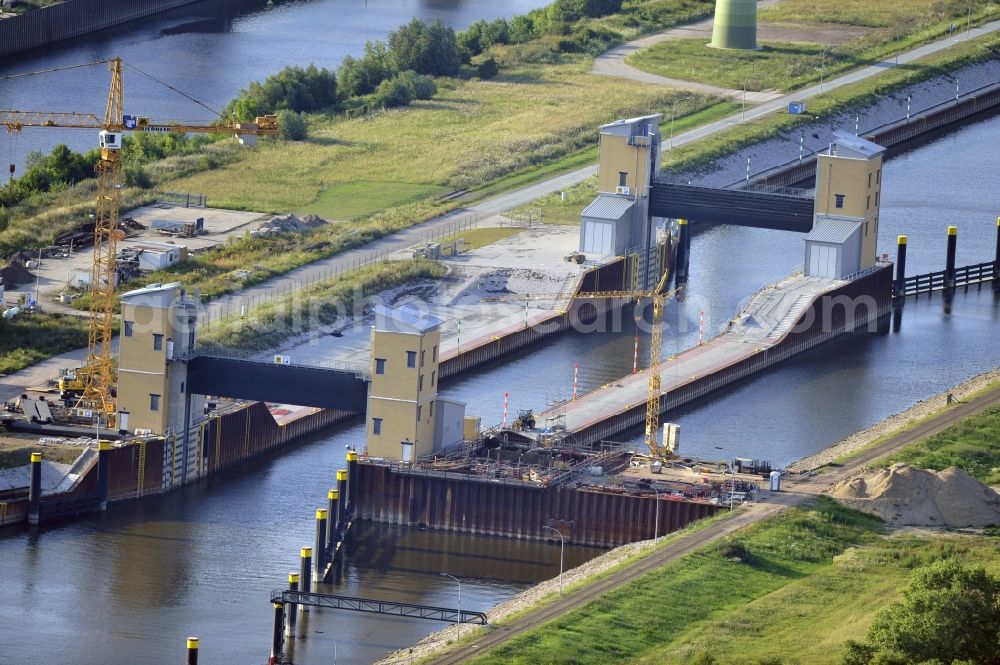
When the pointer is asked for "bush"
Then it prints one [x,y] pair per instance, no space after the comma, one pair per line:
[421,87]
[294,126]
[293,88]
[392,93]
[487,69]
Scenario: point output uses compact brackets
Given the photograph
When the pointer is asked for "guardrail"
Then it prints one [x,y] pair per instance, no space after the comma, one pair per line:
[976,273]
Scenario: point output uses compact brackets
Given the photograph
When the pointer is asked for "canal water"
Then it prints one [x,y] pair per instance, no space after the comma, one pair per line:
[127,587]
[210,50]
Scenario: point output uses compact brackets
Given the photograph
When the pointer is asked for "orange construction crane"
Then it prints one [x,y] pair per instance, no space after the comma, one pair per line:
[99,372]
[653,393]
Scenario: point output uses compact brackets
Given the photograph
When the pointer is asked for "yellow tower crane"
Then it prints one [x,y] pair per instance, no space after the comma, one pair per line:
[99,372]
[653,392]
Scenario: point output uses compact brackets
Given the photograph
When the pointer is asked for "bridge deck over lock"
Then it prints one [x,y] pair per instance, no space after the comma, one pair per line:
[783,209]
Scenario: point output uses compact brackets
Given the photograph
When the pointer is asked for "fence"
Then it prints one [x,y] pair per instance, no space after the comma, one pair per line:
[976,273]
[185,199]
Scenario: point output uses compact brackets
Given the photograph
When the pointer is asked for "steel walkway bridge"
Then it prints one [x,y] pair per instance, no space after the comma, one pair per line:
[336,602]
[762,207]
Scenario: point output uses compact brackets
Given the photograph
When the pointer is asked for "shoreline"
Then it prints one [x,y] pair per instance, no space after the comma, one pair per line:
[543,592]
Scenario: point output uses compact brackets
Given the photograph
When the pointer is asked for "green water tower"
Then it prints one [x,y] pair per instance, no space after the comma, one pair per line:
[735,24]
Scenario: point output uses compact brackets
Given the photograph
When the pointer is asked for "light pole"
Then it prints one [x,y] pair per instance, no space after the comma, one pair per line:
[459,619]
[822,69]
[656,516]
[562,544]
[968,22]
[743,113]
[672,104]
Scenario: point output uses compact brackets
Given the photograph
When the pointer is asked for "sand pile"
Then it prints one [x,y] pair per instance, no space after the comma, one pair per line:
[906,495]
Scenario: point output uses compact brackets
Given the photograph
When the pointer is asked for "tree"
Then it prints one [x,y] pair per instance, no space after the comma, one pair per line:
[426,49]
[392,93]
[421,87]
[948,612]
[522,29]
[293,126]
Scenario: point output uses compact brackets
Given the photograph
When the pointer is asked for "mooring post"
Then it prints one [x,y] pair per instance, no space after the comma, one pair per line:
[35,489]
[342,504]
[277,637]
[352,482]
[996,260]
[103,472]
[293,585]
[333,526]
[900,266]
[192,651]
[683,249]
[949,268]
[305,574]
[321,522]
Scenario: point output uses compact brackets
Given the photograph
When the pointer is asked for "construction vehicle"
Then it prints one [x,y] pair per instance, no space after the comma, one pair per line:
[98,374]
[525,420]
[653,393]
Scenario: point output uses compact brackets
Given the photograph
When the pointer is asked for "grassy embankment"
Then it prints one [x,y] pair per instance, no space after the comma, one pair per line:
[791,588]
[885,28]
[31,338]
[973,445]
[703,153]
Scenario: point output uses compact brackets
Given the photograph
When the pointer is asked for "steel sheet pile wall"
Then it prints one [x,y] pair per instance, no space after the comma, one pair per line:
[74,18]
[827,318]
[603,278]
[461,504]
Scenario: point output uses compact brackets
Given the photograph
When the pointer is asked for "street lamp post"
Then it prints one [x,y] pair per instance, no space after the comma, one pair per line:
[743,113]
[672,104]
[562,545]
[459,619]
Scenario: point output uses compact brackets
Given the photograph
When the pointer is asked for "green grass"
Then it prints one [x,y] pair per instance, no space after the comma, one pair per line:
[776,66]
[973,445]
[31,338]
[476,238]
[470,134]
[324,303]
[349,200]
[794,586]
[888,27]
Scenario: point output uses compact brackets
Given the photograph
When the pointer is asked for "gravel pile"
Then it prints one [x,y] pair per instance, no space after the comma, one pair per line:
[908,496]
[288,224]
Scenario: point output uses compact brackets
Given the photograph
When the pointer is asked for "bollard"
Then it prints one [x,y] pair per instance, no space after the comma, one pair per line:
[949,268]
[277,639]
[333,528]
[321,523]
[900,266]
[103,472]
[996,260]
[683,249]
[342,504]
[35,489]
[305,574]
[293,585]
[192,651]
[351,500]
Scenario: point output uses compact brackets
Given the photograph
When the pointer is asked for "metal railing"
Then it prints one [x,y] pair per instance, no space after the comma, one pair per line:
[976,273]
[374,606]
[186,199]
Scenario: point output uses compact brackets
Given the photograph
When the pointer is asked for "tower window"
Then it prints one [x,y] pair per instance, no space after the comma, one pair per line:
[157,342]
[839,200]
[622,178]
[127,325]
[411,358]
[154,402]
[380,365]
[376,426]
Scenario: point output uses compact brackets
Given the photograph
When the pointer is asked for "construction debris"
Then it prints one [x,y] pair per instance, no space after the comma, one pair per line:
[906,495]
[15,273]
[288,224]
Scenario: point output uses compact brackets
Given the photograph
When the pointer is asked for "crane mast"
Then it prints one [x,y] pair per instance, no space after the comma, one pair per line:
[99,373]
[100,379]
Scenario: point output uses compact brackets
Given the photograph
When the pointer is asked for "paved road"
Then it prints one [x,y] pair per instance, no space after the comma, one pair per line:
[295,279]
[612,63]
[796,491]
